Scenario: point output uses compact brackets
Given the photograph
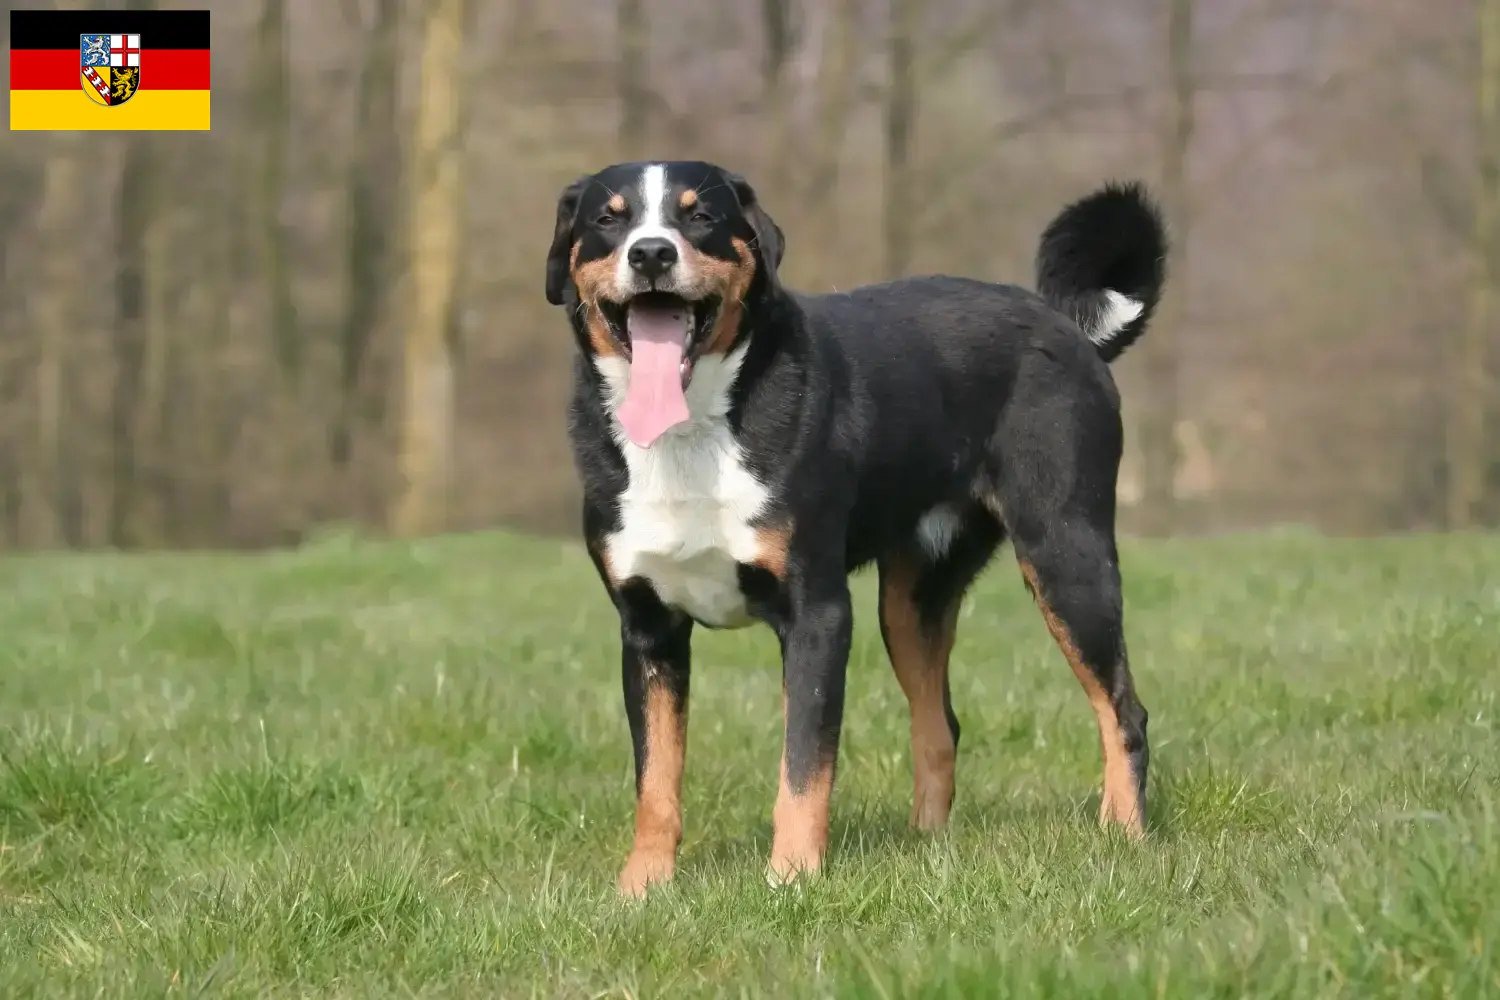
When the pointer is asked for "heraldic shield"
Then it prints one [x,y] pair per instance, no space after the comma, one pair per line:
[111,67]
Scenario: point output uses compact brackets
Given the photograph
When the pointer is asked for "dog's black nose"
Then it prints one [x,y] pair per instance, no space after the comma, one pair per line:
[652,256]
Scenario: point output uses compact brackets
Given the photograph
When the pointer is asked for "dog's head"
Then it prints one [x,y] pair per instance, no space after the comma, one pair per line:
[660,263]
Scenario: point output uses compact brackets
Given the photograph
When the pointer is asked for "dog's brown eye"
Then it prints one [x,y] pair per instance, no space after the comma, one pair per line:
[606,220]
[701,217]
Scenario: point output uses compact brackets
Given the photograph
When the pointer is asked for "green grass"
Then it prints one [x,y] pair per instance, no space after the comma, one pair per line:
[370,770]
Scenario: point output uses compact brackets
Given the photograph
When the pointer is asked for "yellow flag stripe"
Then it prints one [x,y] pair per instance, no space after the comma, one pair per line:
[148,110]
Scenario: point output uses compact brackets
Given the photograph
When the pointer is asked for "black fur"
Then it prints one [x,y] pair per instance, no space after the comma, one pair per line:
[1113,238]
[861,411]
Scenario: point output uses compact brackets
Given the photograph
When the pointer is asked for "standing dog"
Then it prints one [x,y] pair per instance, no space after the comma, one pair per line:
[743,448]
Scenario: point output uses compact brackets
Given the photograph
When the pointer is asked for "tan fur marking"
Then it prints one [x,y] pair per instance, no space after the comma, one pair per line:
[1119,802]
[800,823]
[590,278]
[658,808]
[772,545]
[616,203]
[688,198]
[920,660]
[731,281]
[599,335]
[602,554]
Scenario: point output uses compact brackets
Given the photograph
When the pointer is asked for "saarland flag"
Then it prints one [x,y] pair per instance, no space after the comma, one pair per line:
[114,69]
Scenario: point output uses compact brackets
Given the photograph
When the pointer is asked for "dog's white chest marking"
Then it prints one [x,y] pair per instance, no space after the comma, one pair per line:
[685,515]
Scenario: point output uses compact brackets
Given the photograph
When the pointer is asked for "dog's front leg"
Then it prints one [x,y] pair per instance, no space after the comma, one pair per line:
[815,653]
[655,661]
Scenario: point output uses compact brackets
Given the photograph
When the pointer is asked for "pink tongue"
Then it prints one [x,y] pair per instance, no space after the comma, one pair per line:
[654,401]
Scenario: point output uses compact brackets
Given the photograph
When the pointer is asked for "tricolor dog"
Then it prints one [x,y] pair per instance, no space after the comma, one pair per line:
[743,448]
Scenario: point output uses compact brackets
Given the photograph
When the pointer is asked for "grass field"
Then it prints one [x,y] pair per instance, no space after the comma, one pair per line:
[371,770]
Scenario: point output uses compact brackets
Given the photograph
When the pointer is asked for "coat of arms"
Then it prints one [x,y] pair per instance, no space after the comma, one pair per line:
[111,67]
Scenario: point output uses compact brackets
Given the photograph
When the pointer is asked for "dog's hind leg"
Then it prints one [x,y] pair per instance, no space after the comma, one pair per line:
[920,595]
[1061,458]
[1069,561]
[919,645]
[1075,582]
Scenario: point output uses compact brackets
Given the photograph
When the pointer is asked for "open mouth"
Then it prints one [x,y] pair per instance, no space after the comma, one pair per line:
[662,318]
[662,335]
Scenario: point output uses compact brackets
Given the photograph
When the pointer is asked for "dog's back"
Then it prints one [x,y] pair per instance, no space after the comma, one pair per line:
[934,369]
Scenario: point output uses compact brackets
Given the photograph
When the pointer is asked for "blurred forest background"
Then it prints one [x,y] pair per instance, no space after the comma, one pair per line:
[329,308]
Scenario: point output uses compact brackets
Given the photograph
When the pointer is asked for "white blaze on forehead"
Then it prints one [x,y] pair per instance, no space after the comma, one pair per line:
[654,194]
[654,190]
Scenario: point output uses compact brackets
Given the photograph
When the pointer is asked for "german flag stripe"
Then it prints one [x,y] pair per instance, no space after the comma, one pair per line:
[150,111]
[60,29]
[58,69]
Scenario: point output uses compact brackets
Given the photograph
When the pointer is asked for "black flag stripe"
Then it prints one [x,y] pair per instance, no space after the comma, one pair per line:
[60,29]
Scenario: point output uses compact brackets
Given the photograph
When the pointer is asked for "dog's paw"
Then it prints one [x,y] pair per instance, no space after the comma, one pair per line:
[642,870]
[1124,812]
[785,871]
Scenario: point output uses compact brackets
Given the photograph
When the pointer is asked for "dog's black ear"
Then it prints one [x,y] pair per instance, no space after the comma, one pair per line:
[767,232]
[557,257]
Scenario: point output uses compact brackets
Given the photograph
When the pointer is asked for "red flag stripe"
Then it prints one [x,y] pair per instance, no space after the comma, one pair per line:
[59,69]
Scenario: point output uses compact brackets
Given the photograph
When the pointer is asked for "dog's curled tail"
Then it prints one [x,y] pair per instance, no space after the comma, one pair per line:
[1102,262]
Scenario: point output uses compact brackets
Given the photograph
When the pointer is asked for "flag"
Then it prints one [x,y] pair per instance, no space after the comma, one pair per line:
[109,69]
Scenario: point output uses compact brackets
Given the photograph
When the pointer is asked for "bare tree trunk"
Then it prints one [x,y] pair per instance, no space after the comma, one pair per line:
[12,443]
[11,448]
[522,31]
[273,111]
[372,188]
[1159,425]
[10,498]
[1468,454]
[153,417]
[43,494]
[635,92]
[806,105]
[838,70]
[18,193]
[775,98]
[900,121]
[426,455]
[134,207]
[776,22]
[13,364]
[234,343]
